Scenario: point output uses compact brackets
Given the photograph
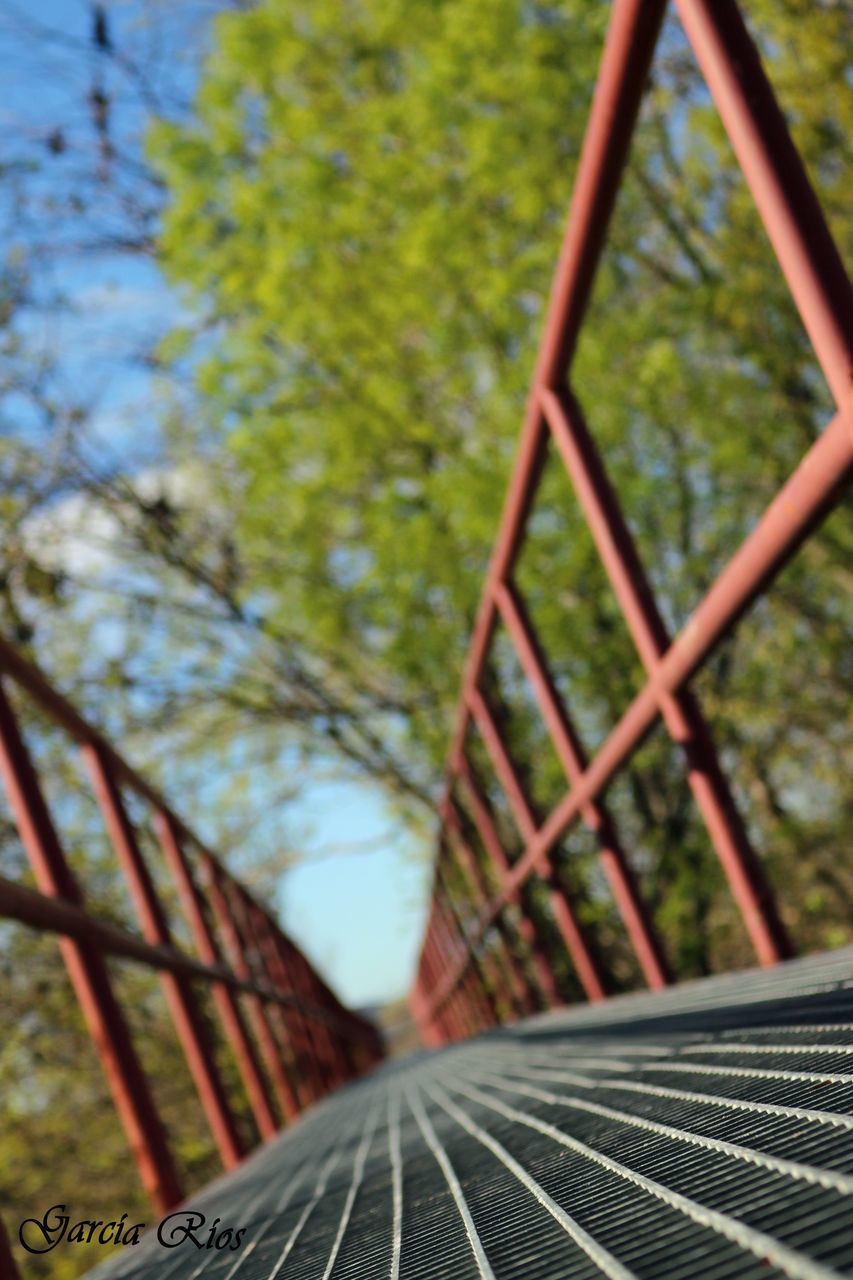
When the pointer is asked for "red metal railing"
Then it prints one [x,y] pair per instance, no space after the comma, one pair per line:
[479,931]
[291,1039]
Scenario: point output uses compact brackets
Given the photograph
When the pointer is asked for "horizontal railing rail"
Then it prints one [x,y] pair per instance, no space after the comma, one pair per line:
[291,1039]
[491,929]
[53,915]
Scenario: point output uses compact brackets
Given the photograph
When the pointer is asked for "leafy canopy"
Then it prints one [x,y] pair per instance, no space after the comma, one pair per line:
[364,211]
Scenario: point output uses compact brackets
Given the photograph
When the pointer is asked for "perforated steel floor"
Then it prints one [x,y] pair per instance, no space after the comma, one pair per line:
[706,1131]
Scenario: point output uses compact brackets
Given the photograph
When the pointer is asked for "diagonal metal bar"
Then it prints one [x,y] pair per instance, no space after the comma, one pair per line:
[469,870]
[488,833]
[528,929]
[777,178]
[644,937]
[802,503]
[799,234]
[522,810]
[485,986]
[680,711]
[451,946]
[470,1005]
[583,959]
[631,38]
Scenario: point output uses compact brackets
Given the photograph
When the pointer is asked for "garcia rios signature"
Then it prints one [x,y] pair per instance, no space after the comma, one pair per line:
[40,1235]
[186,1223]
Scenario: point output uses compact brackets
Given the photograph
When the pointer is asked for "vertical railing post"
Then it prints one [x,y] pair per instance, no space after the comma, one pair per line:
[254,923]
[313,1073]
[326,1052]
[177,988]
[228,1008]
[255,964]
[299,1045]
[88,971]
[235,948]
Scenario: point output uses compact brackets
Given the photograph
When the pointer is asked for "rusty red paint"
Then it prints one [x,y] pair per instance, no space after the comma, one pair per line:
[679,709]
[798,231]
[8,1266]
[177,988]
[234,947]
[87,971]
[57,906]
[777,178]
[256,957]
[637,920]
[475,889]
[227,1007]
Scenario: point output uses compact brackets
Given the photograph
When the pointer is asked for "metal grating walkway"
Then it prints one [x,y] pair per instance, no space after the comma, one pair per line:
[703,1131]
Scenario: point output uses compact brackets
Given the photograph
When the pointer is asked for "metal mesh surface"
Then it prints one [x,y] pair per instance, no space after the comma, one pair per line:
[703,1131]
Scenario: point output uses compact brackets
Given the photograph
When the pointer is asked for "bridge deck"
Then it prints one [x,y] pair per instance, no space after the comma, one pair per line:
[705,1131]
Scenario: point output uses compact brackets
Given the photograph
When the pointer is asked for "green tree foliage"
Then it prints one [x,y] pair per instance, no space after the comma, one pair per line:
[364,211]
[364,206]
[375,277]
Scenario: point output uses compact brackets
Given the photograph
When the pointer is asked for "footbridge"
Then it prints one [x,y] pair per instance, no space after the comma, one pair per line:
[700,1128]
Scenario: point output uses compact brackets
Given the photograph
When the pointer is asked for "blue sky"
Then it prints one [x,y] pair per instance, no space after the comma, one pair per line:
[358,914]
[356,904]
